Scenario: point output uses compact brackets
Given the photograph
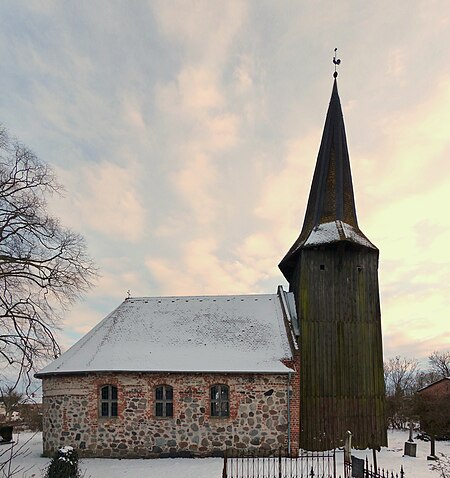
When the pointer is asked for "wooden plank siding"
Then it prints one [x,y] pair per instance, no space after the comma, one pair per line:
[341,363]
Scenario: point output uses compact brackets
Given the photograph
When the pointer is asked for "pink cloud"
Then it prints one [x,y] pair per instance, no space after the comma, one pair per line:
[104,198]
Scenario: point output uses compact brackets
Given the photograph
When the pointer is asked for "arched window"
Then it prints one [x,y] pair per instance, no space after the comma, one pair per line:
[220,403]
[164,401]
[108,401]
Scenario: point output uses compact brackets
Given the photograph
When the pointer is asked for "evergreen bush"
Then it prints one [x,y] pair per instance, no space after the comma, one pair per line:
[64,464]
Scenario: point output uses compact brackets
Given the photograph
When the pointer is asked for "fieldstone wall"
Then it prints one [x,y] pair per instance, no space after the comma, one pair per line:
[258,415]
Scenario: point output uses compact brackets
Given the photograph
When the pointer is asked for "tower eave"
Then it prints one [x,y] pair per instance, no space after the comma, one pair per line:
[322,235]
[336,231]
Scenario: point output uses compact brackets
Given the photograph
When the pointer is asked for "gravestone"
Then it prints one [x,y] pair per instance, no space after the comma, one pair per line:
[410,449]
[348,448]
[410,446]
[357,467]
[432,456]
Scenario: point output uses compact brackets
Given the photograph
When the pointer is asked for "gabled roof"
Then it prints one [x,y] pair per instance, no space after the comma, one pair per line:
[239,333]
[331,203]
[433,384]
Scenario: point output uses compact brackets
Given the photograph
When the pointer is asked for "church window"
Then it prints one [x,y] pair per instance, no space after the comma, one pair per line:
[108,401]
[220,404]
[164,401]
[322,267]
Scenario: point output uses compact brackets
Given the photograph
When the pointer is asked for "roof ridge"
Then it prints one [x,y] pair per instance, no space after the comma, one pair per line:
[197,296]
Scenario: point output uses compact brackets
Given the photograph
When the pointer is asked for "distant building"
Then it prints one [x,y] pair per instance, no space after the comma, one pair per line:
[438,389]
[192,376]
[433,409]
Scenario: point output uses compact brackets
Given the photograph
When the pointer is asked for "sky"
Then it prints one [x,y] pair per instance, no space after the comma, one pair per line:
[186,134]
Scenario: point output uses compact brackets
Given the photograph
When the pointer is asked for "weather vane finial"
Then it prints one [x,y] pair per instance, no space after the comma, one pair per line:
[336,62]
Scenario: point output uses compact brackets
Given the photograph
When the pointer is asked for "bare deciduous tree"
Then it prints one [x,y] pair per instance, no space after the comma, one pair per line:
[44,267]
[425,378]
[11,400]
[8,456]
[440,363]
[400,376]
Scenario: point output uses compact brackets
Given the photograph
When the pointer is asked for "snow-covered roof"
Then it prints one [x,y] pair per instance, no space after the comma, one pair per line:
[239,333]
[335,231]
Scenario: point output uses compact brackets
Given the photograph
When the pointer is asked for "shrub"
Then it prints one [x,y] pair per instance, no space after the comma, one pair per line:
[6,433]
[64,464]
[434,415]
[32,416]
[442,466]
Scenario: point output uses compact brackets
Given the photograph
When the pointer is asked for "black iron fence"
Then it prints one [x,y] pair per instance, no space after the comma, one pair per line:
[359,468]
[279,464]
[307,464]
[370,472]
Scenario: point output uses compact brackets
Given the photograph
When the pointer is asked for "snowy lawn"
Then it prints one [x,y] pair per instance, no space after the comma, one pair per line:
[390,458]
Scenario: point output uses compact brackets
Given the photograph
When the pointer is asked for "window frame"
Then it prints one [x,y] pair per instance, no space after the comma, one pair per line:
[111,401]
[164,401]
[217,404]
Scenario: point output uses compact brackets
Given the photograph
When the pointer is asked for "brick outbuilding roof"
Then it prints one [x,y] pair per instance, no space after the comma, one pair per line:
[445,380]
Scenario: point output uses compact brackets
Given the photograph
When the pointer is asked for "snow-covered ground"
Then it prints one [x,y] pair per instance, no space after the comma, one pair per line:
[390,458]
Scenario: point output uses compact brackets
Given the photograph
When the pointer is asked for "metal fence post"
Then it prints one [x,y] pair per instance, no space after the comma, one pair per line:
[279,463]
[224,471]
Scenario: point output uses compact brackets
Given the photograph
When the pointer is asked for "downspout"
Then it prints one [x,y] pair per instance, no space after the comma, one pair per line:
[289,411]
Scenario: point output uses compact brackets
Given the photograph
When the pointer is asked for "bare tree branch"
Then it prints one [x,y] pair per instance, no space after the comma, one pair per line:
[400,376]
[440,363]
[10,399]
[44,267]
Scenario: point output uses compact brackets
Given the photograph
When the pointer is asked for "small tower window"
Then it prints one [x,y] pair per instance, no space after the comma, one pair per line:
[322,267]
[164,401]
[108,401]
[220,403]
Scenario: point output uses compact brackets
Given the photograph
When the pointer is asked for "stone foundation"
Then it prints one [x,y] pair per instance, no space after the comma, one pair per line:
[258,415]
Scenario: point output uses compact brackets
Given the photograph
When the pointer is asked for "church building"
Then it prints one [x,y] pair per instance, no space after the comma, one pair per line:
[194,376]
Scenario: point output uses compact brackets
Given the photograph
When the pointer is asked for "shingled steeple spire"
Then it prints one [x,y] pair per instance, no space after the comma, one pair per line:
[331,197]
[331,212]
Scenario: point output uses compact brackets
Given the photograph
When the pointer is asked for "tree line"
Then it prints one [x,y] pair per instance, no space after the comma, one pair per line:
[404,379]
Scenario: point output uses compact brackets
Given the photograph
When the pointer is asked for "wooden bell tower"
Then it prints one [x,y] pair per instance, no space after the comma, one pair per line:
[332,269]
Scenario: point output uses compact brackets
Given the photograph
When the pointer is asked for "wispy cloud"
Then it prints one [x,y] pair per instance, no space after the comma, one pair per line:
[105,199]
[186,135]
[201,271]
